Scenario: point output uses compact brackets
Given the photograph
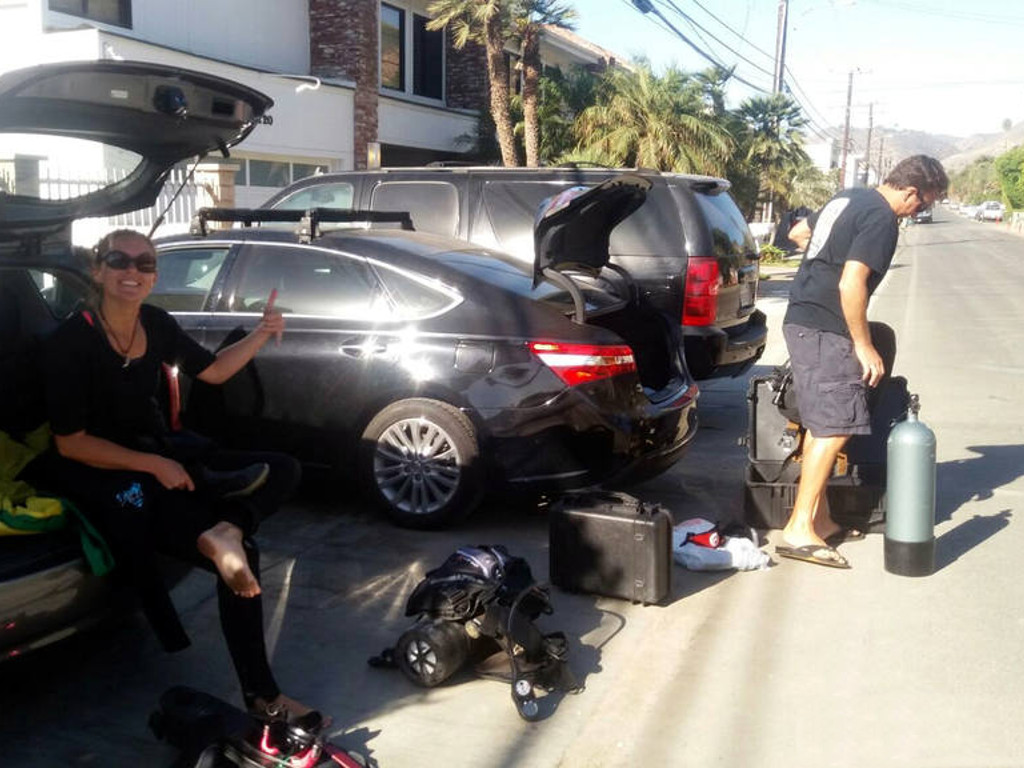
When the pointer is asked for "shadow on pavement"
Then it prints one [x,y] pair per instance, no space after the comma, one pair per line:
[963,480]
[966,536]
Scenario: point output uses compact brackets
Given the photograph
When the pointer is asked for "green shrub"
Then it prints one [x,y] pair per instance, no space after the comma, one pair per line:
[772,255]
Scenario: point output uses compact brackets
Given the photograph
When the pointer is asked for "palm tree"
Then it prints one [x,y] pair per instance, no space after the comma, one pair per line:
[563,95]
[774,141]
[486,22]
[656,122]
[528,19]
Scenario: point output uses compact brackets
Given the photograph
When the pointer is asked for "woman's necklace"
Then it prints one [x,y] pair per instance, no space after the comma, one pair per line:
[126,350]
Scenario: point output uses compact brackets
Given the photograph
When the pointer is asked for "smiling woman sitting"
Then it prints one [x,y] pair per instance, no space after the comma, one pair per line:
[147,488]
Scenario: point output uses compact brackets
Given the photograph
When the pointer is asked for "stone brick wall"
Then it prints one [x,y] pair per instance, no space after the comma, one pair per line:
[466,76]
[343,40]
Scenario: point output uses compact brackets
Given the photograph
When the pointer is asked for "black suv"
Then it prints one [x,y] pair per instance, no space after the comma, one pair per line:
[688,248]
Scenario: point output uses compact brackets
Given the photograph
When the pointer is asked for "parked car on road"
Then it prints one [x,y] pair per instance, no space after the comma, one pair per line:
[433,368]
[147,118]
[924,216]
[990,210]
[688,248]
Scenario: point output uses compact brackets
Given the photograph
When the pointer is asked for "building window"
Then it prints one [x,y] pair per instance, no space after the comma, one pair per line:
[267,173]
[406,48]
[273,173]
[428,57]
[115,12]
[392,47]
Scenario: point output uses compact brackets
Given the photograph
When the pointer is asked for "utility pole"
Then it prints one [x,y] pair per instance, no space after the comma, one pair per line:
[846,132]
[881,145]
[867,150]
[780,46]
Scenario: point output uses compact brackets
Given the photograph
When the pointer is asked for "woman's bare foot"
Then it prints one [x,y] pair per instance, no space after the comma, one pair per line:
[284,706]
[222,545]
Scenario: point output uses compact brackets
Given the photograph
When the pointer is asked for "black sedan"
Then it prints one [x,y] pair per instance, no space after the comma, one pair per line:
[434,369]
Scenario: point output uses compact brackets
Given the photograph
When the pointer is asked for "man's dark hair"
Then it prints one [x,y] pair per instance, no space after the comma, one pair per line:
[920,171]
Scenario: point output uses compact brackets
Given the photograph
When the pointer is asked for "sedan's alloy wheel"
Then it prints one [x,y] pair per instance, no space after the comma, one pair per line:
[417,466]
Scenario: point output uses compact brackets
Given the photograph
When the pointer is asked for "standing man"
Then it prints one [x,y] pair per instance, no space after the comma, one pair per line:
[850,243]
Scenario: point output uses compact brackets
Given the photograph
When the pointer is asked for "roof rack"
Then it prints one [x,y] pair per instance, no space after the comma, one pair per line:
[453,164]
[307,221]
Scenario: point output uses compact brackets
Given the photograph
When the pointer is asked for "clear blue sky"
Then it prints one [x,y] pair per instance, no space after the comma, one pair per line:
[943,66]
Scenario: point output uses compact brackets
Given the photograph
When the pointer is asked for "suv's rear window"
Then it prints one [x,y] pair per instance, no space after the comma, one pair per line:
[512,205]
[433,205]
[730,235]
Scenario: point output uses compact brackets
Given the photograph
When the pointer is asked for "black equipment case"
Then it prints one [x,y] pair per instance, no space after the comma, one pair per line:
[611,544]
[856,490]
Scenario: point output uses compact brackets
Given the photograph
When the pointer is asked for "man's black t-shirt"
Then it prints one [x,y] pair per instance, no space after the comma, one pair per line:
[855,225]
[88,386]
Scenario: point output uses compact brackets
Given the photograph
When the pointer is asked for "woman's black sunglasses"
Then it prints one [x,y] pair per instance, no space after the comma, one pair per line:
[144,262]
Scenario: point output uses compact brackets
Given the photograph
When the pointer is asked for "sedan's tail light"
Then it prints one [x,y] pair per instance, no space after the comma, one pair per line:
[700,295]
[579,363]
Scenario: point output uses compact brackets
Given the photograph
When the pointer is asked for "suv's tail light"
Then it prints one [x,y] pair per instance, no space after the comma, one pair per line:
[579,363]
[700,294]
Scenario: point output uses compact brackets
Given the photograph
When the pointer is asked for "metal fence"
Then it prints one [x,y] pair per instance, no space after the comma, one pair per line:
[57,185]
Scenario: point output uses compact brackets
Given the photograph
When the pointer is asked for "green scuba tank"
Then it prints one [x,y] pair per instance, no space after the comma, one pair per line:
[910,497]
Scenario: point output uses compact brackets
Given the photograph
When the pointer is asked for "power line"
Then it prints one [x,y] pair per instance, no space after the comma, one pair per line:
[646,6]
[739,35]
[678,10]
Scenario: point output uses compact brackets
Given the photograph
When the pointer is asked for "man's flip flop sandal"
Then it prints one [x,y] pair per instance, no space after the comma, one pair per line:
[843,536]
[813,553]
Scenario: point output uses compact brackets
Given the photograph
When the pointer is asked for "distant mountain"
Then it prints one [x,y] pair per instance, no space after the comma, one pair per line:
[954,152]
[992,144]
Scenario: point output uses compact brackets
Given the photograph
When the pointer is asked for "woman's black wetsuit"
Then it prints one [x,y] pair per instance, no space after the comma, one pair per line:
[90,388]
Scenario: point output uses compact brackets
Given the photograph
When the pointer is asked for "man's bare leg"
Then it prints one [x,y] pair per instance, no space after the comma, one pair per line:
[810,518]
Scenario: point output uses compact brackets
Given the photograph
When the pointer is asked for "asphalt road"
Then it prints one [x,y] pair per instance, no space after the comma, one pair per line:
[797,665]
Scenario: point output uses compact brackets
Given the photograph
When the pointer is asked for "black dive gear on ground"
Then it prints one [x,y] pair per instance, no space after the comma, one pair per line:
[857,488]
[213,734]
[481,604]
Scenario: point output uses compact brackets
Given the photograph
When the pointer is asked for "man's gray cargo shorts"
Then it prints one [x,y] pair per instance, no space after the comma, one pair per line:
[830,393]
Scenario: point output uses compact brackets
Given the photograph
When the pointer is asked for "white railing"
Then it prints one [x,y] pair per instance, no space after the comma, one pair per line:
[56,185]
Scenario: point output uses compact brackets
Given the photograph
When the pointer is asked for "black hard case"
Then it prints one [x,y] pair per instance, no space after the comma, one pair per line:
[611,544]
[856,491]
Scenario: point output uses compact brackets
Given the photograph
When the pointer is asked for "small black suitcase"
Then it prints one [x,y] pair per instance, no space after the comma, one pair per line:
[610,543]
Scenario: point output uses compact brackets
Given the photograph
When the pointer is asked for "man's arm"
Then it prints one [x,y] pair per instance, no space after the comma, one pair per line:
[800,233]
[853,296]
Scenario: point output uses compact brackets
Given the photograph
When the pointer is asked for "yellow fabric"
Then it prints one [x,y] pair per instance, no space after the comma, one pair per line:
[36,515]
[21,511]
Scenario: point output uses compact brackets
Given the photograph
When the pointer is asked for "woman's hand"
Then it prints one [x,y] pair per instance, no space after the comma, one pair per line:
[232,359]
[171,474]
[272,323]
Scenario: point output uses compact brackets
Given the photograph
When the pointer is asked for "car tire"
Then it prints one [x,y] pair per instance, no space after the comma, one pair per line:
[419,459]
[431,652]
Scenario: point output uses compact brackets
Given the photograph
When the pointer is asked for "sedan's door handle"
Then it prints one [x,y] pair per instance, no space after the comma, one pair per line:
[362,348]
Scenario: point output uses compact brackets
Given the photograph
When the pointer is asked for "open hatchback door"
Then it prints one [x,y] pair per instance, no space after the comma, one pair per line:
[573,229]
[132,120]
[571,236]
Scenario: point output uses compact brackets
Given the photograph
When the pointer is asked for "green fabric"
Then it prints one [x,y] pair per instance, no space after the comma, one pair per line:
[95,549]
[22,512]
